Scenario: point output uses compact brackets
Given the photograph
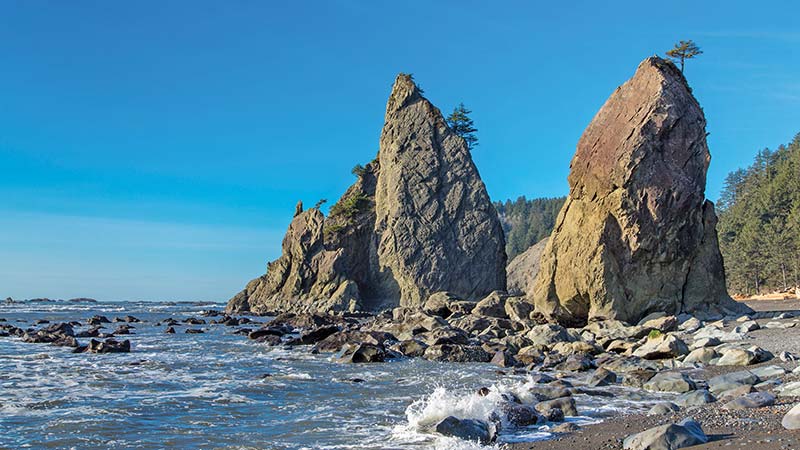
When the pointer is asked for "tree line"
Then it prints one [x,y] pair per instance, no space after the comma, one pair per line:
[526,222]
[759,222]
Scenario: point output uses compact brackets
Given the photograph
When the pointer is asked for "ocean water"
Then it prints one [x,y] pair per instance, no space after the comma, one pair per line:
[210,391]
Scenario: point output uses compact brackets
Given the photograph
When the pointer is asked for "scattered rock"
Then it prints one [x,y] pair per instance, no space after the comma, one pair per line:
[467,429]
[685,433]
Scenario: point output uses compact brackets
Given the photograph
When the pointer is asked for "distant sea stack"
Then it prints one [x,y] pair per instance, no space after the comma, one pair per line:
[417,221]
[636,234]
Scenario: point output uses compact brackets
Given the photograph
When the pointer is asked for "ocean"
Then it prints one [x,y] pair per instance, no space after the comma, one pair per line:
[222,390]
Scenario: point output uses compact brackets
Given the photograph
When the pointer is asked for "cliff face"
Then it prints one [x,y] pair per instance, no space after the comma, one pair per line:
[636,234]
[437,229]
[417,221]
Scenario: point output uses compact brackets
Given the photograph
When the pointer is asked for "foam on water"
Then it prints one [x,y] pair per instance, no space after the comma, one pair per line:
[212,390]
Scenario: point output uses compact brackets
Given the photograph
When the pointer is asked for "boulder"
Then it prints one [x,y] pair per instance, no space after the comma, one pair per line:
[670,382]
[109,346]
[494,305]
[685,433]
[466,429]
[518,309]
[457,353]
[522,270]
[695,398]
[363,353]
[663,408]
[417,221]
[736,357]
[751,400]
[565,404]
[662,347]
[791,421]
[548,334]
[636,234]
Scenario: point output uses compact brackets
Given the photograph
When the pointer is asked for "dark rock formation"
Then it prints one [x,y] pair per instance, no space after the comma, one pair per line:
[636,234]
[417,221]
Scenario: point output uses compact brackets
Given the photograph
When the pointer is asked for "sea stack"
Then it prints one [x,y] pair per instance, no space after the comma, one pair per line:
[417,221]
[636,234]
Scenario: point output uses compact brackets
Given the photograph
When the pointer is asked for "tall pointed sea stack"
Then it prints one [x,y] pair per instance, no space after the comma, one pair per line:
[636,234]
[417,221]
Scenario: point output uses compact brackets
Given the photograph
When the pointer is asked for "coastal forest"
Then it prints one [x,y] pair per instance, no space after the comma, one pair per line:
[527,222]
[759,222]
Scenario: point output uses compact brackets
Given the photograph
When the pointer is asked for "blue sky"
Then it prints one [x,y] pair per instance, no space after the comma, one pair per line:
[156,149]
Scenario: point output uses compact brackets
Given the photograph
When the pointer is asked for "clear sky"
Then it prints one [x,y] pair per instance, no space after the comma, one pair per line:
[156,149]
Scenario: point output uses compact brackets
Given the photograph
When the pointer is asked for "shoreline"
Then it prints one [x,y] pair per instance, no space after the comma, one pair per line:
[755,429]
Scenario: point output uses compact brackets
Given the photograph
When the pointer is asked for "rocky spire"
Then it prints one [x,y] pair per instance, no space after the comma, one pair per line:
[418,220]
[436,226]
[636,234]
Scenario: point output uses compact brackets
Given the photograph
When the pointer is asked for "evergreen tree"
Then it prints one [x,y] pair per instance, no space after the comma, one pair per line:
[527,222]
[462,125]
[684,50]
[759,222]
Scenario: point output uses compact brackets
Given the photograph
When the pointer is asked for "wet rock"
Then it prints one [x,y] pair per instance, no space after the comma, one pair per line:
[554,415]
[98,320]
[123,329]
[91,332]
[549,392]
[363,353]
[412,348]
[466,429]
[670,382]
[521,415]
[565,404]
[685,433]
[194,321]
[457,353]
[576,363]
[315,335]
[128,319]
[503,359]
[170,330]
[194,331]
[752,400]
[41,322]
[602,377]
[109,346]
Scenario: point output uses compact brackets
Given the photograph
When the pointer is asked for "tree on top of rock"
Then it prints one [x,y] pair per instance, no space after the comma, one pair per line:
[684,50]
[462,125]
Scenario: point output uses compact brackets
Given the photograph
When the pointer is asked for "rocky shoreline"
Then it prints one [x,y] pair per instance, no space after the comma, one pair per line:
[738,377]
